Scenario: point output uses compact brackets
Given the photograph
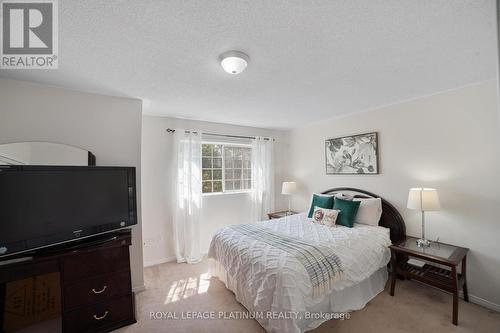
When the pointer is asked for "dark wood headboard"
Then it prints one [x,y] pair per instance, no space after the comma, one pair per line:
[390,216]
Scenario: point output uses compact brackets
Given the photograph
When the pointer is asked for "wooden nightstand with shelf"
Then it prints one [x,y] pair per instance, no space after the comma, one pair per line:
[278,215]
[441,254]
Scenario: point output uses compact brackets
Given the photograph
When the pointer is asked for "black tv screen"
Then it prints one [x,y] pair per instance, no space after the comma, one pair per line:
[45,205]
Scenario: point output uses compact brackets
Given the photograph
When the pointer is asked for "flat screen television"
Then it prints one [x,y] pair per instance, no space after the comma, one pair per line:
[41,206]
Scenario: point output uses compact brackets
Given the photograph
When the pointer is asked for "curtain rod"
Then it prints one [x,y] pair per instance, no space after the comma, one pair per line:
[170,130]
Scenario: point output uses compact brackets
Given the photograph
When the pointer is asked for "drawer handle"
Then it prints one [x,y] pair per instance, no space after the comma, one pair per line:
[99,291]
[101,317]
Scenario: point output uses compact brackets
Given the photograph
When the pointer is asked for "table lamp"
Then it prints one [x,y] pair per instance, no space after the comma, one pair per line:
[423,199]
[289,188]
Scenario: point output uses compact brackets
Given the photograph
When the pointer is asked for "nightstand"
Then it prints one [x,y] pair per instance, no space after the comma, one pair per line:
[278,215]
[442,254]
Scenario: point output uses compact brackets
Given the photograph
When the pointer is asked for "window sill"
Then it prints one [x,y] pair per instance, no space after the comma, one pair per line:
[226,193]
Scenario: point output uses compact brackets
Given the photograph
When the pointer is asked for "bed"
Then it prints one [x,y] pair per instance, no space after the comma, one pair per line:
[275,286]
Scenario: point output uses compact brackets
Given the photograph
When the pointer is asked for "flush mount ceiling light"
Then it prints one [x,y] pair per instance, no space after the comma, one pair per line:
[234,62]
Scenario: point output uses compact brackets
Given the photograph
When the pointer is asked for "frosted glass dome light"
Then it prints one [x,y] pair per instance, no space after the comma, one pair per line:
[234,62]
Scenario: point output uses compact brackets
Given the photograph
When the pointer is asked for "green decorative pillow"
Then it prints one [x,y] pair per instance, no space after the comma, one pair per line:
[348,210]
[323,201]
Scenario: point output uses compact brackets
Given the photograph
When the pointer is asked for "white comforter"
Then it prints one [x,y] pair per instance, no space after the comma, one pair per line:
[265,278]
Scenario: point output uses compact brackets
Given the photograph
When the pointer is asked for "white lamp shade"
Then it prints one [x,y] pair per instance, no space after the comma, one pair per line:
[424,199]
[289,188]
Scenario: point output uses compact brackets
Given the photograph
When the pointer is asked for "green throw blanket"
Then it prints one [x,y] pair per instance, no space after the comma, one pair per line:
[322,265]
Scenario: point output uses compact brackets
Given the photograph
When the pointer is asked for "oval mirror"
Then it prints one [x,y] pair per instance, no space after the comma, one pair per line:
[44,153]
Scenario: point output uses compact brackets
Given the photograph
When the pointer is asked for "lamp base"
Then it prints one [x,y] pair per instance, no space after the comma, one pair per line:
[423,243]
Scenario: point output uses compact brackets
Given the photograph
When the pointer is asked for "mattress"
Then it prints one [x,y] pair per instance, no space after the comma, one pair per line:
[268,280]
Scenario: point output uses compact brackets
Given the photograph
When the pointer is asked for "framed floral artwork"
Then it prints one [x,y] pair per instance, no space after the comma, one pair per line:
[355,154]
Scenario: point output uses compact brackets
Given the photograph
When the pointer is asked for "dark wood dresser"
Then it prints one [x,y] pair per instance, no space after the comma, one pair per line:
[95,282]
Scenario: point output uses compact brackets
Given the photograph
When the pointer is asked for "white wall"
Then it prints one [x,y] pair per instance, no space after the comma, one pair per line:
[110,127]
[448,141]
[218,210]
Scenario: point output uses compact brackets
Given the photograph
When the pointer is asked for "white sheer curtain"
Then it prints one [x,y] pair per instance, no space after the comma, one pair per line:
[262,177]
[187,195]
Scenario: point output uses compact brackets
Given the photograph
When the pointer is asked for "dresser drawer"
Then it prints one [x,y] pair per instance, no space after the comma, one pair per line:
[99,317]
[87,264]
[95,290]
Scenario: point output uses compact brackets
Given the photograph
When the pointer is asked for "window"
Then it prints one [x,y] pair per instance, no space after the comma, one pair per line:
[226,168]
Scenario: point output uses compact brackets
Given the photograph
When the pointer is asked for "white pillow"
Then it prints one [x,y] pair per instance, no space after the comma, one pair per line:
[319,194]
[369,212]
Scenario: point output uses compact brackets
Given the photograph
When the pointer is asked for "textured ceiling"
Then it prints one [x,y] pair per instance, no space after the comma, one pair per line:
[310,60]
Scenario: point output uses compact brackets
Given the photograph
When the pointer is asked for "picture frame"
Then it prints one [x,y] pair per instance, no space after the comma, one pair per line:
[352,155]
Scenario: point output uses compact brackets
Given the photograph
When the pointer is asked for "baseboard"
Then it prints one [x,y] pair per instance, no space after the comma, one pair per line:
[472,298]
[159,261]
[480,301]
[164,260]
[138,289]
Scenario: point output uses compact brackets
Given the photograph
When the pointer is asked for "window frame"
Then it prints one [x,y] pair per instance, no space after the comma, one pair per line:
[224,191]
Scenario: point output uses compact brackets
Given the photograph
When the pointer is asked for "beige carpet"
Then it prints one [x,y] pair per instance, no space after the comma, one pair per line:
[175,288]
